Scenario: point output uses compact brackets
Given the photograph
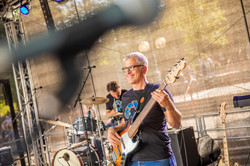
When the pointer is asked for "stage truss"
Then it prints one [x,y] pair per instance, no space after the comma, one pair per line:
[33,138]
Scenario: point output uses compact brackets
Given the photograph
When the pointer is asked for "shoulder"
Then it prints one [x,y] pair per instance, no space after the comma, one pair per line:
[127,93]
[152,87]
[109,96]
[123,91]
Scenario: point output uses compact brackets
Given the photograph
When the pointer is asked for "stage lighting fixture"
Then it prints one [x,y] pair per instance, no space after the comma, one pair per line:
[24,9]
[59,1]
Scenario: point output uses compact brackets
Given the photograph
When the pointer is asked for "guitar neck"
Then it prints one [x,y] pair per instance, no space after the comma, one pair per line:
[136,124]
[225,147]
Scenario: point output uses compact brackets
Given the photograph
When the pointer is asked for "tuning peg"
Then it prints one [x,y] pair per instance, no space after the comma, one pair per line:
[177,77]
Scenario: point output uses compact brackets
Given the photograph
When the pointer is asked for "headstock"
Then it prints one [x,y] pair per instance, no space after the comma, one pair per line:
[223,111]
[173,74]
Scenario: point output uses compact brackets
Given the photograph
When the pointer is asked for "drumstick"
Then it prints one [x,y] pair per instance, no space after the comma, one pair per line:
[78,144]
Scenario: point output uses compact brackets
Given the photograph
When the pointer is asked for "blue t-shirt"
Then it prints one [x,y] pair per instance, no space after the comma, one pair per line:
[155,142]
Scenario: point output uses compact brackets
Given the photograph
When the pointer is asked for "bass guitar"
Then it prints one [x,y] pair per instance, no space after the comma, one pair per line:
[129,136]
[224,161]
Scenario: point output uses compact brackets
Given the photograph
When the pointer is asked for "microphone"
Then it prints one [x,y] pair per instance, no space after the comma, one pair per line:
[40,87]
[82,35]
[65,157]
[89,67]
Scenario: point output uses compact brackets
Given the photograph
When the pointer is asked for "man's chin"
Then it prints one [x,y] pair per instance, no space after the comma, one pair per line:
[130,81]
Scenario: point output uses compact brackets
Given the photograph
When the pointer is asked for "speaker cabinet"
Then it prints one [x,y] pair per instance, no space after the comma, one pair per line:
[184,146]
[6,157]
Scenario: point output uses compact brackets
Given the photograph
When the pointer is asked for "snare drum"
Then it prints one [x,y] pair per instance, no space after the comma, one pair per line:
[76,156]
[90,124]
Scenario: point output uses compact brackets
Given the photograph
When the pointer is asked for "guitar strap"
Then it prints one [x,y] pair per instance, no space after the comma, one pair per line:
[143,98]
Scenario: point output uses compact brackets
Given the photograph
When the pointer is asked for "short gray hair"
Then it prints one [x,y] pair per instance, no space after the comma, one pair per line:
[141,59]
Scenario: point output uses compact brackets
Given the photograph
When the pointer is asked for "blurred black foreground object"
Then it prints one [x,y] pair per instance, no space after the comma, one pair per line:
[68,42]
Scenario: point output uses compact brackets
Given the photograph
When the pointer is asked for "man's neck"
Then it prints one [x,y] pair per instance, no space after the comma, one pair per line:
[140,85]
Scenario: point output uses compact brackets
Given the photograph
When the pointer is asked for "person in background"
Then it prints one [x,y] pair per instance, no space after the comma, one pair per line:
[114,106]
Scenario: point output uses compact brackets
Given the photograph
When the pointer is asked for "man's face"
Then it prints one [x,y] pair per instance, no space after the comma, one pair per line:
[116,94]
[135,75]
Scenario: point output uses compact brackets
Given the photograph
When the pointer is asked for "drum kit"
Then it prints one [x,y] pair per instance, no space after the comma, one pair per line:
[87,145]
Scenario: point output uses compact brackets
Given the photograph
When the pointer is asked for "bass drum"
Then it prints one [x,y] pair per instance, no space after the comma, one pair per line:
[76,156]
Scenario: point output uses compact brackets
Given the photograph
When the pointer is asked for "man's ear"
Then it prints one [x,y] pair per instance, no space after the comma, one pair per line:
[145,69]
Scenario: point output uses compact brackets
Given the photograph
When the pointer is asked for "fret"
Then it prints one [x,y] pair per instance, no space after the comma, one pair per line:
[223,119]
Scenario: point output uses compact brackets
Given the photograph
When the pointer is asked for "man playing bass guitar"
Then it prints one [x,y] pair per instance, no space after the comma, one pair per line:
[154,147]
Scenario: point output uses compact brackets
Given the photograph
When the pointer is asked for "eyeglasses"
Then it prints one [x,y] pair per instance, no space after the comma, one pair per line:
[130,68]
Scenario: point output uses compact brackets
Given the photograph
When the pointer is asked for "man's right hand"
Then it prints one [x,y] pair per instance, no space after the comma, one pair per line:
[113,137]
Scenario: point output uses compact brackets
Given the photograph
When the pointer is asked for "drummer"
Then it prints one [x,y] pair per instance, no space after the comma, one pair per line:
[114,106]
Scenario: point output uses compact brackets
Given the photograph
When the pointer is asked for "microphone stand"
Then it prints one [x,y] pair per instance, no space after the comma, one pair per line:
[19,113]
[78,99]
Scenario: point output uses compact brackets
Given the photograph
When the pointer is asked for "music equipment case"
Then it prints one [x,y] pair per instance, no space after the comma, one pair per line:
[184,146]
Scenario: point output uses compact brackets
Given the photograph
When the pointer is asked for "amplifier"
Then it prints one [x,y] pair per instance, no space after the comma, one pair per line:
[6,157]
[184,146]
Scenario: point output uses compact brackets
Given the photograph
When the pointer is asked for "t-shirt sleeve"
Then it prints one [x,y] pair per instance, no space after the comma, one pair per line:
[109,105]
[166,90]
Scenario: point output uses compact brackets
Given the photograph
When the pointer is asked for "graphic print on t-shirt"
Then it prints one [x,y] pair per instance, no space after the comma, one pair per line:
[117,105]
[130,107]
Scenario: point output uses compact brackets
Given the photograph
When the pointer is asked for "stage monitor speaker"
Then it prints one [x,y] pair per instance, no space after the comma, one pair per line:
[6,158]
[184,146]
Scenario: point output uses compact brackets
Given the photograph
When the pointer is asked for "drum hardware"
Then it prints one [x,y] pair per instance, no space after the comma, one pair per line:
[77,156]
[59,123]
[45,136]
[108,152]
[100,134]
[91,101]
[79,99]
[90,123]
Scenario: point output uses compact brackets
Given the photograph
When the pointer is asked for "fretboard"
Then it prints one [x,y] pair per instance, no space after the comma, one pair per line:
[136,124]
[225,147]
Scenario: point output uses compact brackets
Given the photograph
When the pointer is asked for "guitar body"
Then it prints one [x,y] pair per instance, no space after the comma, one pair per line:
[128,146]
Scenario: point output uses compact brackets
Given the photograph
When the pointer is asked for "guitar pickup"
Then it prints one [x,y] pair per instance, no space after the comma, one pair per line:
[118,150]
[124,147]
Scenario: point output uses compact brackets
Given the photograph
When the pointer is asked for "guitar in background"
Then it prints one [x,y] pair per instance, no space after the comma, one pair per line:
[129,136]
[224,161]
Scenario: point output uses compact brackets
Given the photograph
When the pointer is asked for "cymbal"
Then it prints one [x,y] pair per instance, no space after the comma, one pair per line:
[59,123]
[95,100]
[118,114]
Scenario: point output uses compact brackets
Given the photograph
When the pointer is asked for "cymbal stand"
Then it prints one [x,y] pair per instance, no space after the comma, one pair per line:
[98,118]
[78,99]
[45,136]
[69,138]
